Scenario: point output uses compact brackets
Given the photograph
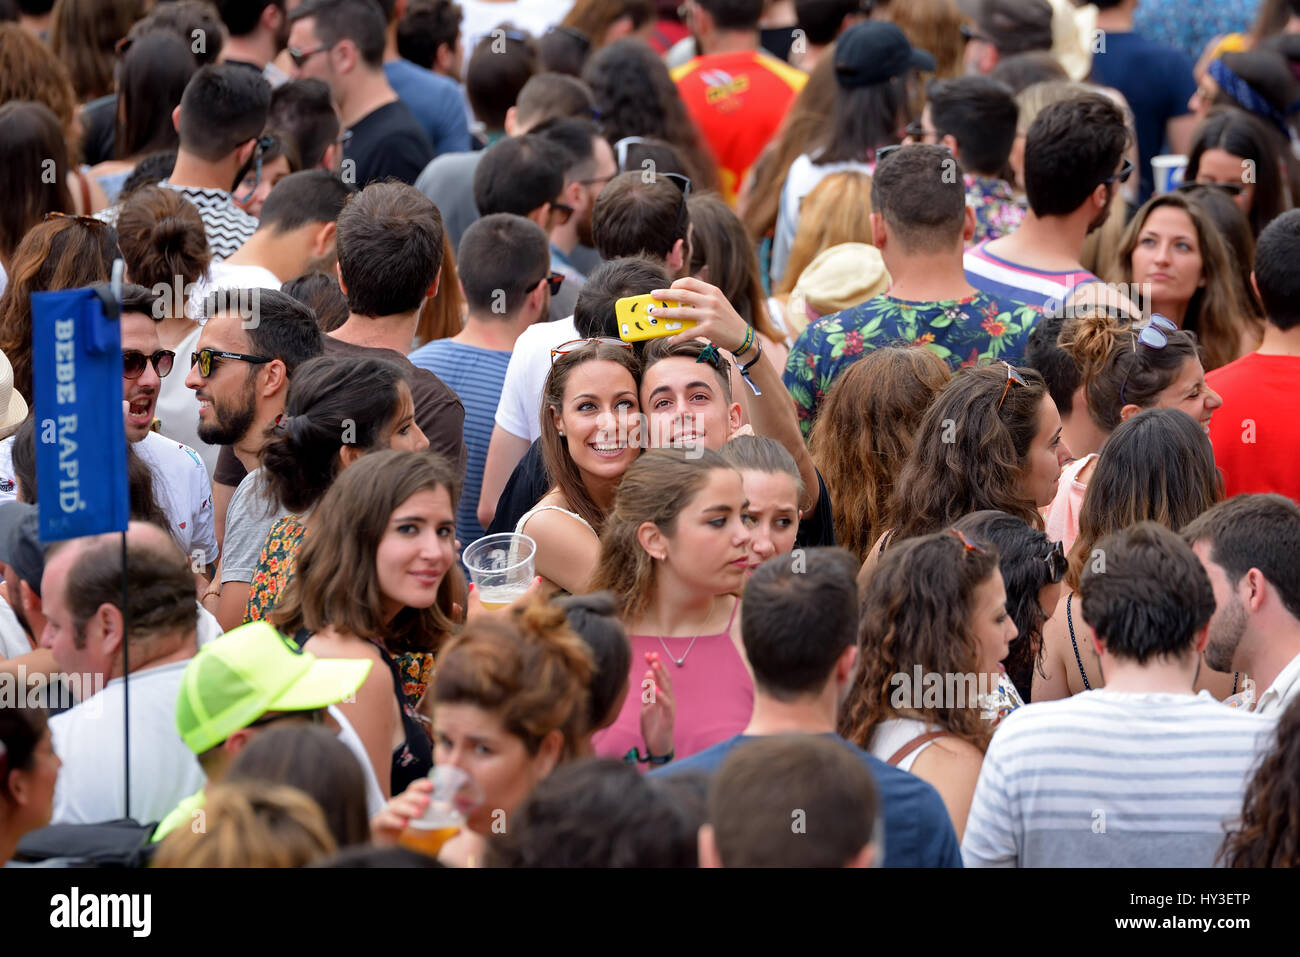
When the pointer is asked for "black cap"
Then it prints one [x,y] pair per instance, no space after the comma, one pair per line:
[874,51]
[20,542]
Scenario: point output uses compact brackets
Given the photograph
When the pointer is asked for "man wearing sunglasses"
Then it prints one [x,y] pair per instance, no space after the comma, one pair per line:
[524,175]
[218,121]
[589,169]
[342,43]
[1074,163]
[1003,28]
[180,480]
[240,374]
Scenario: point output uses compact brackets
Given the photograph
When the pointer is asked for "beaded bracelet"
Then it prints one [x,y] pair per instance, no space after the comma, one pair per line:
[744,370]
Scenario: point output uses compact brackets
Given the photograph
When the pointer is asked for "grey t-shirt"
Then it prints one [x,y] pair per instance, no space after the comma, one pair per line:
[249,518]
[449,181]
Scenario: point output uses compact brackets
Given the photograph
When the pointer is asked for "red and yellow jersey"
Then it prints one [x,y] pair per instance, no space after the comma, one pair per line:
[737,100]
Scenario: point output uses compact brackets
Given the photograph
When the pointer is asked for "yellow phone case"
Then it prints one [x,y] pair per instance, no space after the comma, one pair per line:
[635,325]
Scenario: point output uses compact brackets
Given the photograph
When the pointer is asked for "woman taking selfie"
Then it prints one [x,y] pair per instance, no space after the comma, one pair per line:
[372,583]
[675,552]
[589,410]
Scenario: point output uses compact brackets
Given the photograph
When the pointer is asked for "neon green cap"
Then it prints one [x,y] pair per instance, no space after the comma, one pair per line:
[249,671]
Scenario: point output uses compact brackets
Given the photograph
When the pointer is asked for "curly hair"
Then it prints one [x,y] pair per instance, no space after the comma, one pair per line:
[532,671]
[1024,560]
[1267,835]
[916,614]
[1115,371]
[970,452]
[865,432]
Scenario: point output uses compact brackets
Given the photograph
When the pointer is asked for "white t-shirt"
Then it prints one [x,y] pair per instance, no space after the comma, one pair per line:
[13,640]
[223,275]
[88,739]
[519,411]
[1277,696]
[535,16]
[802,179]
[177,407]
[183,491]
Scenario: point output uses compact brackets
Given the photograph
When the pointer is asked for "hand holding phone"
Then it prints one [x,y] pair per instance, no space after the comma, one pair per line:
[636,324]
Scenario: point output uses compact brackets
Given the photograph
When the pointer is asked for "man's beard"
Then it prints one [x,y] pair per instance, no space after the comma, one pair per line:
[1225,636]
[1100,221]
[229,425]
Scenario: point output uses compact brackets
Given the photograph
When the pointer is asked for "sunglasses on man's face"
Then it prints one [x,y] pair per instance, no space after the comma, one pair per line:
[1125,171]
[554,280]
[206,359]
[133,363]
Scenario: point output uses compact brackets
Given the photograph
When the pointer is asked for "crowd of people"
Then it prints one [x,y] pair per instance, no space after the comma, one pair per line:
[949,518]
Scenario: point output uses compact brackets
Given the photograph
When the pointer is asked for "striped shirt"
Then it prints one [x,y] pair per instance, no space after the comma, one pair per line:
[1109,779]
[226,225]
[1007,280]
[476,375]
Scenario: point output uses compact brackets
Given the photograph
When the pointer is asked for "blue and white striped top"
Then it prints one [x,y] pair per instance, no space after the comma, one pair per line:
[1112,779]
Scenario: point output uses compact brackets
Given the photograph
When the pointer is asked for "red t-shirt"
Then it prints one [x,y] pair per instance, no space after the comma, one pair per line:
[737,101]
[1256,434]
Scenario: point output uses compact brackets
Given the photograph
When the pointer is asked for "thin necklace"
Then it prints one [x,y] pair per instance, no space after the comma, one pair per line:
[681,662]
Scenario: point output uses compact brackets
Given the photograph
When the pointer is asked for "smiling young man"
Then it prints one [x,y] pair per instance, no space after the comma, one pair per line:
[241,379]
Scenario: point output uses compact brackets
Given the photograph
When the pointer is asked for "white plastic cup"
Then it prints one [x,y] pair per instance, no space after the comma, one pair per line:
[1168,170]
[501,567]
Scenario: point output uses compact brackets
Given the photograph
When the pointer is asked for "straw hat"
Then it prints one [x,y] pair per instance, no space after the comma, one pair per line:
[13,408]
[839,277]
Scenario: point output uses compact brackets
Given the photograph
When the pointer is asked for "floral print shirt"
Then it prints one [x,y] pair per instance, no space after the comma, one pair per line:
[964,332]
[996,210]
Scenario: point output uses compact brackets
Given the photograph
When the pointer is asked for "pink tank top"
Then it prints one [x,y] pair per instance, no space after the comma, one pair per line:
[713,690]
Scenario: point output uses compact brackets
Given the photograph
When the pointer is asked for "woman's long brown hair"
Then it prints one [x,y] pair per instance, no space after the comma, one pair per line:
[336,582]
[916,613]
[865,432]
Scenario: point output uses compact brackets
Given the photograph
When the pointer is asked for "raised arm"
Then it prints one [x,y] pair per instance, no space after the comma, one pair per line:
[772,413]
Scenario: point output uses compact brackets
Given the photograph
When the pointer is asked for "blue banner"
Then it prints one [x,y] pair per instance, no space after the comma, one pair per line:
[80,435]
